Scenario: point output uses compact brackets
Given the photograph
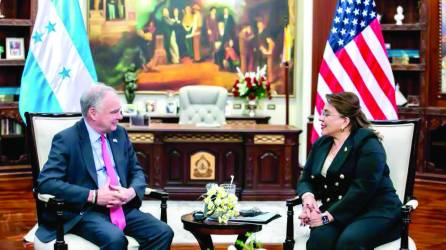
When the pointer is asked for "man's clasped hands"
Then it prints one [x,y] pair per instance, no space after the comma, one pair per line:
[114,196]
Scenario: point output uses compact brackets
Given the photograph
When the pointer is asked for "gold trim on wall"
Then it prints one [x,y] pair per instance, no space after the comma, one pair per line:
[205,138]
[202,166]
[146,138]
[269,139]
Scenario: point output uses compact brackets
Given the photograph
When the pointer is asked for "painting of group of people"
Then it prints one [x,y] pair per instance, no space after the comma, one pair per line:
[183,42]
[113,9]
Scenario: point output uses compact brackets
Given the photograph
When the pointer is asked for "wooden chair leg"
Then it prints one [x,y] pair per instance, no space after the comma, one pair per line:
[164,209]
[289,240]
[405,216]
[60,242]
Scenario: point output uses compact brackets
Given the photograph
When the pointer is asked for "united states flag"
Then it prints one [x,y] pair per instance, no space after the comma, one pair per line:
[355,60]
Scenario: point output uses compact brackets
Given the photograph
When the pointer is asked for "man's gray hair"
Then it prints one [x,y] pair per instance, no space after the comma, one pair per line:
[94,96]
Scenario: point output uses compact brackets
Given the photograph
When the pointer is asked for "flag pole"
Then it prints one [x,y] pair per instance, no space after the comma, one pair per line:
[286,66]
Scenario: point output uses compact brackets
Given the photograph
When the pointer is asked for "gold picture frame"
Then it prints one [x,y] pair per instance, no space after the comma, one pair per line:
[131,31]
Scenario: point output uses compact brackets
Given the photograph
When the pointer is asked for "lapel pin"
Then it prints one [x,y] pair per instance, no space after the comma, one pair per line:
[115,140]
[345,149]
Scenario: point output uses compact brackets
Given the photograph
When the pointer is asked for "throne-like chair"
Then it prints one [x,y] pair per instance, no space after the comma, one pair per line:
[202,105]
[399,139]
[41,128]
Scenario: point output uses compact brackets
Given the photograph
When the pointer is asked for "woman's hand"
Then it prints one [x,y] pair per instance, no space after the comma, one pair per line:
[309,207]
[309,203]
[315,219]
[304,218]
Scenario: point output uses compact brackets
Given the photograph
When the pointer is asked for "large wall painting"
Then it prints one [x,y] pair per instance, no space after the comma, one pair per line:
[191,42]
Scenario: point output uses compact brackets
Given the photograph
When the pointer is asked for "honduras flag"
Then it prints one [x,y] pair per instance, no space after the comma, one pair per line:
[59,66]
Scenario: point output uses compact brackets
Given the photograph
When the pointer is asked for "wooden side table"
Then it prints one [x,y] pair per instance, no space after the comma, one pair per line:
[202,230]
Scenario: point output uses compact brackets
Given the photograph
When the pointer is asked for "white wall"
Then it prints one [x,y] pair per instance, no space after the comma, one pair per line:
[83,5]
[299,104]
[302,104]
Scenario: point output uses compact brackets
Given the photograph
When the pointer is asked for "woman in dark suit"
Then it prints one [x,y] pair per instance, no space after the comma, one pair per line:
[347,170]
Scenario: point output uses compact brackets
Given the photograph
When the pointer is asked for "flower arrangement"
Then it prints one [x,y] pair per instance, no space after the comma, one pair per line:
[220,204]
[252,85]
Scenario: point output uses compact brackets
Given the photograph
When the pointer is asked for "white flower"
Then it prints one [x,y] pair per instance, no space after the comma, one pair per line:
[220,203]
[259,73]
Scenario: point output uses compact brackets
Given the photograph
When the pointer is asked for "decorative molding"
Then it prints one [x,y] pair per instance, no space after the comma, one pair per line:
[287,168]
[269,139]
[16,22]
[203,138]
[157,170]
[435,123]
[144,138]
[241,122]
[10,111]
[249,169]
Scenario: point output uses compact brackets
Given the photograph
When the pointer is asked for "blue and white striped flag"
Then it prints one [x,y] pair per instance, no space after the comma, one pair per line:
[59,66]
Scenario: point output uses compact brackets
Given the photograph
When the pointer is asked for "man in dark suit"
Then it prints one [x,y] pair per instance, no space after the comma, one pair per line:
[92,166]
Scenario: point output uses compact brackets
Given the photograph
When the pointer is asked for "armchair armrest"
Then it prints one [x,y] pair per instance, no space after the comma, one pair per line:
[156,194]
[159,195]
[294,201]
[406,211]
[57,205]
[412,204]
[45,197]
[289,240]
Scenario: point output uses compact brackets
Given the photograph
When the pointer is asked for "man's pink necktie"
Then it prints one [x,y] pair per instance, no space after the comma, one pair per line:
[116,213]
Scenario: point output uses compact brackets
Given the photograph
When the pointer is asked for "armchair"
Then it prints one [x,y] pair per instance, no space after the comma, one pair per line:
[202,104]
[41,128]
[399,139]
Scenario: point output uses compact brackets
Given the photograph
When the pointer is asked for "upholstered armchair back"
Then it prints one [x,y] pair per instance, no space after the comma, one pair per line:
[202,104]
[44,128]
[399,142]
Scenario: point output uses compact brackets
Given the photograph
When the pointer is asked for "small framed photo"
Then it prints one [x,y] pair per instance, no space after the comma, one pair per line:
[171,107]
[150,106]
[129,109]
[271,106]
[237,106]
[15,48]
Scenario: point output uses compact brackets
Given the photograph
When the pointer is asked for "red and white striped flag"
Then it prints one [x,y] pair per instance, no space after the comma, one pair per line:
[355,60]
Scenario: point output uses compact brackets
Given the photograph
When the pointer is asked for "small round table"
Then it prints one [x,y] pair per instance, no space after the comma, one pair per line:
[202,230]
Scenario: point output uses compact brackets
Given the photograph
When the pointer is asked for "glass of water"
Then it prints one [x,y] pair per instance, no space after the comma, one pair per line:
[229,188]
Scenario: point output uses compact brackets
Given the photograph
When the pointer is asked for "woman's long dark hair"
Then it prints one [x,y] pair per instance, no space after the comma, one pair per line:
[347,104]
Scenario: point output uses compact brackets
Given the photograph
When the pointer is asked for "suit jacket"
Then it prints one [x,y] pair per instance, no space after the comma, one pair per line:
[357,183]
[70,173]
